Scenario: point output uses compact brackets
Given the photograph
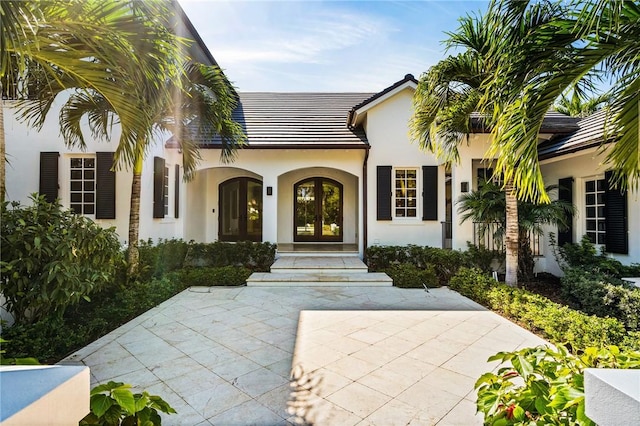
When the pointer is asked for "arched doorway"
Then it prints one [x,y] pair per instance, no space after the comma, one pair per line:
[240,210]
[318,210]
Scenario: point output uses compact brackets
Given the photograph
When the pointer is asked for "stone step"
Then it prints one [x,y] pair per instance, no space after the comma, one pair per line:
[319,265]
[266,279]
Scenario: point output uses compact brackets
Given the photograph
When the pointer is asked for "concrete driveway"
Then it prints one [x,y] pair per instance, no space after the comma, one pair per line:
[312,355]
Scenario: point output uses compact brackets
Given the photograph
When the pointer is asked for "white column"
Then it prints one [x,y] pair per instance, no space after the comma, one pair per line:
[270,208]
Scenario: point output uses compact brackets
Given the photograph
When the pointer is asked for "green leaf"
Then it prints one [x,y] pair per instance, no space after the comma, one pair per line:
[541,405]
[501,422]
[522,366]
[124,397]
[100,404]
[518,413]
[106,387]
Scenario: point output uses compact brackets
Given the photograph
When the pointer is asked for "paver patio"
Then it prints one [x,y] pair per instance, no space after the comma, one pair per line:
[366,356]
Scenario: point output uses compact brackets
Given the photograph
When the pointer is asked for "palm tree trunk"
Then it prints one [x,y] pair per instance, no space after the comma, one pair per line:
[133,258]
[3,154]
[511,237]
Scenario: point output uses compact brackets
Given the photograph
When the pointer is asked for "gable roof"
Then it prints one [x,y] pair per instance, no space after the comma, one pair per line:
[408,81]
[295,120]
[590,133]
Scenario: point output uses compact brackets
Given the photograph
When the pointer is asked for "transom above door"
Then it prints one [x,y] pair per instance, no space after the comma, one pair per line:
[318,210]
[240,210]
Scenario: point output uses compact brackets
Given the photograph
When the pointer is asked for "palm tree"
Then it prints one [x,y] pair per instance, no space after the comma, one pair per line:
[456,87]
[48,47]
[200,106]
[576,105]
[590,37]
[487,205]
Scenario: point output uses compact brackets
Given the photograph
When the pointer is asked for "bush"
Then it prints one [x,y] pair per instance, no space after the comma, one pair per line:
[544,386]
[258,257]
[52,258]
[554,322]
[596,293]
[445,263]
[114,404]
[584,256]
[207,277]
[407,275]
[166,256]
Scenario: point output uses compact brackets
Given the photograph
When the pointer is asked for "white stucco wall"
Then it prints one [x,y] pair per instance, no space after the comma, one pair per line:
[583,166]
[24,144]
[280,170]
[388,134]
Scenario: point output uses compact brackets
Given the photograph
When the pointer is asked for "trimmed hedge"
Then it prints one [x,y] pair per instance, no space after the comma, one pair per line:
[257,257]
[445,263]
[557,323]
[208,277]
[407,275]
[599,294]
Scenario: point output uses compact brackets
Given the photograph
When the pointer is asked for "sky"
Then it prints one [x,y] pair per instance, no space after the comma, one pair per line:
[325,46]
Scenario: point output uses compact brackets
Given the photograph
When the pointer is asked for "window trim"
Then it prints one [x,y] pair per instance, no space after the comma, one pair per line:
[418,189]
[582,208]
[66,193]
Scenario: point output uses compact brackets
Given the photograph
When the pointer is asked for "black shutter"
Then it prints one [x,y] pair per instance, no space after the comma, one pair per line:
[565,193]
[384,193]
[105,186]
[158,187]
[176,204]
[429,192]
[615,212]
[49,175]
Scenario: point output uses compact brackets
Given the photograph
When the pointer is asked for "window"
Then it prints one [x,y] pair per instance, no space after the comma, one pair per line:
[595,210]
[406,193]
[82,185]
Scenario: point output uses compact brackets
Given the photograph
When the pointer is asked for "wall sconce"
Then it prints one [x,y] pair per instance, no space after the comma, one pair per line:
[269,190]
[464,186]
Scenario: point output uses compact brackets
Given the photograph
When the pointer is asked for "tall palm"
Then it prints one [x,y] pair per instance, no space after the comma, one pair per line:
[487,205]
[453,89]
[576,105]
[48,47]
[200,106]
[605,36]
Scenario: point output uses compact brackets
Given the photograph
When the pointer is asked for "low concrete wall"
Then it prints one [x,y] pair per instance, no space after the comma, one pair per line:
[612,396]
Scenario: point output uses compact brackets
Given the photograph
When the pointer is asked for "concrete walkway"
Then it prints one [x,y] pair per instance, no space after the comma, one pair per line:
[365,356]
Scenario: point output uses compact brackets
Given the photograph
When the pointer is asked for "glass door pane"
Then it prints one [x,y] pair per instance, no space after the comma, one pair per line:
[305,209]
[254,210]
[331,206]
[229,210]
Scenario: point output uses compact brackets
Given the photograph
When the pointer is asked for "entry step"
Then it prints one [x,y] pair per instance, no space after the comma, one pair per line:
[291,279]
[319,265]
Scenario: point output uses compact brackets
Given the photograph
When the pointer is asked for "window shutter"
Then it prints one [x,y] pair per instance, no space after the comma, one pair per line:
[176,206]
[565,193]
[429,192]
[616,225]
[158,187]
[105,186]
[49,175]
[384,193]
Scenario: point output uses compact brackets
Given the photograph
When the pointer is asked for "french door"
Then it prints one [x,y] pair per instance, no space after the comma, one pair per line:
[318,210]
[240,210]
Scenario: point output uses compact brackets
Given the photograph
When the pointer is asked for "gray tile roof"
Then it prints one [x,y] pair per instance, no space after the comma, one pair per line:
[590,133]
[554,122]
[297,120]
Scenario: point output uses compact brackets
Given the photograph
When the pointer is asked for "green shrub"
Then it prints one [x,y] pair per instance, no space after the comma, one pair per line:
[554,322]
[484,259]
[258,257]
[52,258]
[542,386]
[583,255]
[207,277]
[114,404]
[597,293]
[161,258]
[445,263]
[407,275]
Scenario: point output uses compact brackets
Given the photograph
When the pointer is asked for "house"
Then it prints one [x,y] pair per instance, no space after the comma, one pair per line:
[320,171]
